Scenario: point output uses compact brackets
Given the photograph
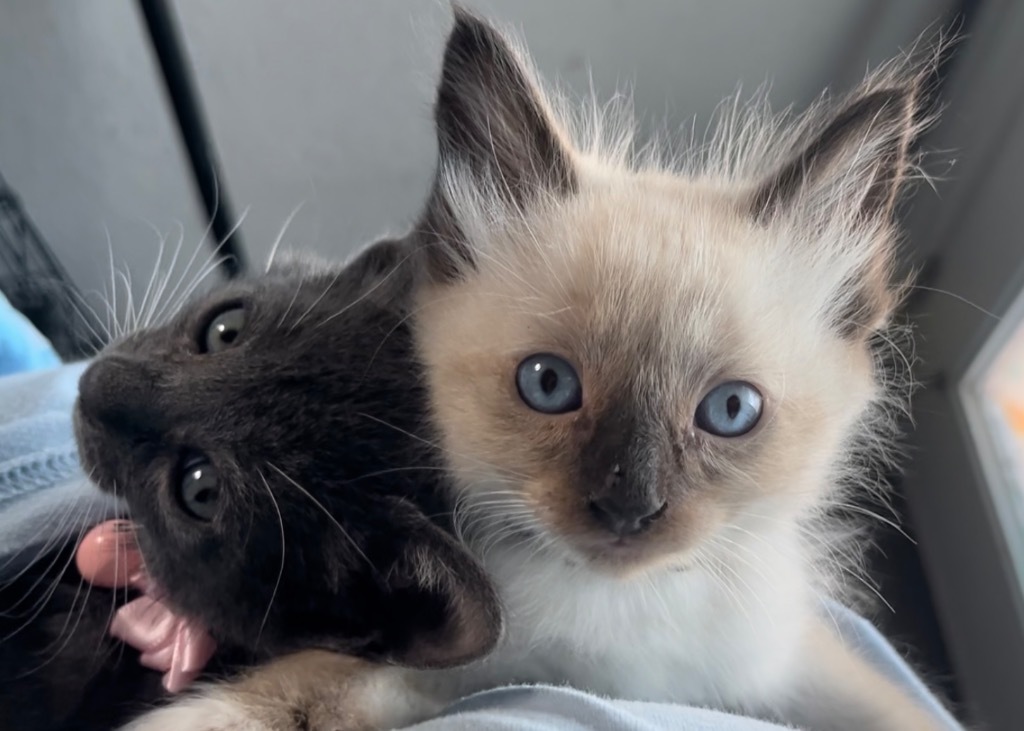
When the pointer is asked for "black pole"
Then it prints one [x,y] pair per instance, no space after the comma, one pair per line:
[163,34]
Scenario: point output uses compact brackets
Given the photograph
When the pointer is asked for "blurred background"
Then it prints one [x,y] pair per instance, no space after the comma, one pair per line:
[124,124]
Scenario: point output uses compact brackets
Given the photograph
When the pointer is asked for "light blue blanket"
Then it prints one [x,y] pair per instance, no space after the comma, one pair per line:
[44,495]
[22,347]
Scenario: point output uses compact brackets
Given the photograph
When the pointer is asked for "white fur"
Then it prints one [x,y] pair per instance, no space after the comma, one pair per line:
[685,636]
[206,711]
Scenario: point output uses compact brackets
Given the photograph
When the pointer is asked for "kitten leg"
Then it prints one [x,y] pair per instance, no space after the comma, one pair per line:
[840,691]
[306,691]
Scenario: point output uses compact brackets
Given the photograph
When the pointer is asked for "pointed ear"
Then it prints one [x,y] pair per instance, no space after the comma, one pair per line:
[494,126]
[380,272]
[858,158]
[377,260]
[454,614]
[848,169]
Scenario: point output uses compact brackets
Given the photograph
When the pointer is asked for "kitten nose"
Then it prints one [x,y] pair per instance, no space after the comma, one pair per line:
[120,394]
[624,516]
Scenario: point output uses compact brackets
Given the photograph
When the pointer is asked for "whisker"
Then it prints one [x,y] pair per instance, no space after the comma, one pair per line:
[326,512]
[165,279]
[323,294]
[56,544]
[280,235]
[360,298]
[129,304]
[280,570]
[440,447]
[65,517]
[291,303]
[57,645]
[871,514]
[146,306]
[959,298]
[172,301]
[113,281]
[212,265]
[40,605]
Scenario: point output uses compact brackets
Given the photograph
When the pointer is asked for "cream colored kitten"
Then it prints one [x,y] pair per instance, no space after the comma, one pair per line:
[650,382]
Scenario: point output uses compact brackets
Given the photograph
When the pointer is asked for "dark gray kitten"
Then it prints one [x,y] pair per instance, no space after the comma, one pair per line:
[270,445]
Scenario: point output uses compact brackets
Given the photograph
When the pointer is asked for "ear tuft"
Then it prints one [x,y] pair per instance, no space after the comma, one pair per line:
[848,166]
[492,117]
[496,138]
[859,157]
[879,112]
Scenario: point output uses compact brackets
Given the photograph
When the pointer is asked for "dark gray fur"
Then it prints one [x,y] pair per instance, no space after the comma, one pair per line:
[322,386]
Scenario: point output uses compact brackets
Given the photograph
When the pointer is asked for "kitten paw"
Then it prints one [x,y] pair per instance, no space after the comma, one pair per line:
[214,712]
[306,691]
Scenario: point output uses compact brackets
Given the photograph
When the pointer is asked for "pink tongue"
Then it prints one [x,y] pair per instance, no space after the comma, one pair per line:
[180,647]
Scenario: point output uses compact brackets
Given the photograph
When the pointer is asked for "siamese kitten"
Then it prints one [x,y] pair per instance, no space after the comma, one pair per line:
[263,443]
[651,381]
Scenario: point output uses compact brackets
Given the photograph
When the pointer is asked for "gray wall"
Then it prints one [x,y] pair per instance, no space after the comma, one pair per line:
[85,136]
[326,103]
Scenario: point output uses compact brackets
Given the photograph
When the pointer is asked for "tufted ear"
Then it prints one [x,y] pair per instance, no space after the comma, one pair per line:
[858,158]
[846,171]
[495,134]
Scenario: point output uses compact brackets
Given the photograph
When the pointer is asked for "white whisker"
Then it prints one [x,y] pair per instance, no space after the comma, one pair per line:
[280,571]
[280,235]
[326,512]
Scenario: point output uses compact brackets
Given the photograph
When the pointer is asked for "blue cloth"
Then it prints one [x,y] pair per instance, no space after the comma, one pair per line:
[546,708]
[44,497]
[22,347]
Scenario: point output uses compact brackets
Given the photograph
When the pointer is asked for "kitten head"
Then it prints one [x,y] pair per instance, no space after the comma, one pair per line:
[263,441]
[633,358]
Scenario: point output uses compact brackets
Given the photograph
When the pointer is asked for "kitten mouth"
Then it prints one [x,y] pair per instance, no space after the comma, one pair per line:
[624,559]
[622,543]
[620,552]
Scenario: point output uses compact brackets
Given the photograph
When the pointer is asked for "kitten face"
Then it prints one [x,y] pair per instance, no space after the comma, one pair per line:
[713,329]
[649,334]
[263,442]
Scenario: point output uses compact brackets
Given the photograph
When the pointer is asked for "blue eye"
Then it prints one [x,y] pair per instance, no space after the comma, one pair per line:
[548,384]
[730,409]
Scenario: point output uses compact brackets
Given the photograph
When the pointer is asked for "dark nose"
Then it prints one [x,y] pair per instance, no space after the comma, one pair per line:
[120,394]
[624,516]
